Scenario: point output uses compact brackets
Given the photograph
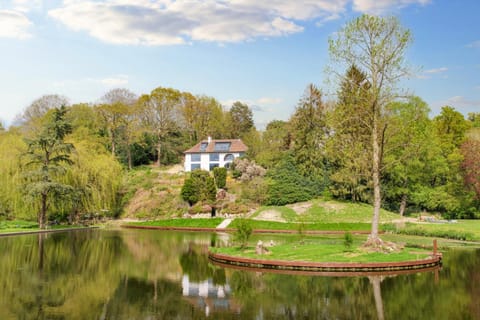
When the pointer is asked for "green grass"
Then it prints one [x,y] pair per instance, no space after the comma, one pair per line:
[461,230]
[325,249]
[27,226]
[330,211]
[191,223]
[274,225]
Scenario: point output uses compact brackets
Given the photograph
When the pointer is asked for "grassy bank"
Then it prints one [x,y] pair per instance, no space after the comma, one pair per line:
[300,227]
[18,226]
[461,230]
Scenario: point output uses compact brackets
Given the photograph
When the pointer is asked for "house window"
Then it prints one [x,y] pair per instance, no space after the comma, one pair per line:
[195,157]
[194,166]
[222,146]
[228,157]
[203,146]
[213,165]
[214,157]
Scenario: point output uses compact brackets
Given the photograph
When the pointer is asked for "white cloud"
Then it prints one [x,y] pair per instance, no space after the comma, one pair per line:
[427,74]
[14,24]
[461,101]
[120,80]
[436,70]
[26,5]
[474,44]
[384,6]
[168,22]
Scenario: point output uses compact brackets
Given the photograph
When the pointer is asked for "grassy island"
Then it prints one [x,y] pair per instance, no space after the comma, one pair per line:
[324,249]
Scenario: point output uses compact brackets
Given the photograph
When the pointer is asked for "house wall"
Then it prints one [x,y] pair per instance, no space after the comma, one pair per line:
[205,160]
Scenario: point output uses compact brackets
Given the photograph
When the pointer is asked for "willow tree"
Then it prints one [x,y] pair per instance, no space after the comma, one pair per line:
[376,45]
[46,157]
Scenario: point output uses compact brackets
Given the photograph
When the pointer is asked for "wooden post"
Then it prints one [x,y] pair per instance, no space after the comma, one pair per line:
[434,247]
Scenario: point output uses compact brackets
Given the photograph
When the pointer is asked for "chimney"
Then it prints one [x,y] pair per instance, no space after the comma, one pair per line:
[209,139]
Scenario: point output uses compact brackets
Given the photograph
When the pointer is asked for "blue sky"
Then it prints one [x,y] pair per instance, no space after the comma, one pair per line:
[261,52]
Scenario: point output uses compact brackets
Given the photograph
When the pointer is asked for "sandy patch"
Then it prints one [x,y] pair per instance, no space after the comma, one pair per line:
[178,168]
[300,207]
[270,215]
[330,206]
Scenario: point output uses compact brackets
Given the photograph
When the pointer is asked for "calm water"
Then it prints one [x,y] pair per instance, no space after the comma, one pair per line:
[136,274]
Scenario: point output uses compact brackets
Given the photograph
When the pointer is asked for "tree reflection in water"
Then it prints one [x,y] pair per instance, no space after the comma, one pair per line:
[137,274]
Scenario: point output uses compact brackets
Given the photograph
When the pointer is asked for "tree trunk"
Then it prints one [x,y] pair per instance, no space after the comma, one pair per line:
[112,135]
[403,204]
[159,153]
[43,212]
[129,154]
[373,238]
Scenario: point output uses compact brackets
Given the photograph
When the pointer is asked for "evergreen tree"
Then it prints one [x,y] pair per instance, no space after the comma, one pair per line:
[47,155]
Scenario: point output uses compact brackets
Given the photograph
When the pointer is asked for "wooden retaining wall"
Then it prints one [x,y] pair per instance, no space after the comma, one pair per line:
[197,229]
[327,267]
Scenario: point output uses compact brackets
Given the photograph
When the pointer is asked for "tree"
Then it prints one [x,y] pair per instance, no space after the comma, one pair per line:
[160,113]
[349,148]
[200,186]
[46,156]
[117,112]
[451,127]
[406,149]
[239,120]
[377,46]
[204,116]
[471,166]
[287,185]
[220,175]
[39,107]
[310,132]
[275,141]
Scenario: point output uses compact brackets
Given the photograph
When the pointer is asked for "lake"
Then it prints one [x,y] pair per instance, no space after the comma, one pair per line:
[149,274]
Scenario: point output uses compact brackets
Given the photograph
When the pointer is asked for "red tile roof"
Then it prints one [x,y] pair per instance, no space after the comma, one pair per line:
[236,145]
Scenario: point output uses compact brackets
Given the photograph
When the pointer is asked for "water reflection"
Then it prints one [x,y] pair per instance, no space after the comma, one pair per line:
[137,274]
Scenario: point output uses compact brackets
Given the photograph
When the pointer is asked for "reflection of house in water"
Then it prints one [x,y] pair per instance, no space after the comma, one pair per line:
[208,296]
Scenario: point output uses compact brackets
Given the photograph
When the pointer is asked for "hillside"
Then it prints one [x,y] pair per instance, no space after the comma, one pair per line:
[154,193]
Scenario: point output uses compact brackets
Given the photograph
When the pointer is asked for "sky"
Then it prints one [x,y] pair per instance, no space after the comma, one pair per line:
[263,53]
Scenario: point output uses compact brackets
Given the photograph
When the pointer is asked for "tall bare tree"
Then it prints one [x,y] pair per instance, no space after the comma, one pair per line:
[377,46]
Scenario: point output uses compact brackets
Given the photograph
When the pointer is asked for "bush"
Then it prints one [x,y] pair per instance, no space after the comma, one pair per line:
[286,185]
[347,240]
[255,190]
[200,186]
[243,232]
[220,175]
[246,170]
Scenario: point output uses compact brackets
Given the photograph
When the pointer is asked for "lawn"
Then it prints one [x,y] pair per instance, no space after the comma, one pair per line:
[460,230]
[274,225]
[329,211]
[325,249]
[28,226]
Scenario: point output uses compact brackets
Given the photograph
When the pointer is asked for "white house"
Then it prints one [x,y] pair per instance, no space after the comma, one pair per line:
[210,153]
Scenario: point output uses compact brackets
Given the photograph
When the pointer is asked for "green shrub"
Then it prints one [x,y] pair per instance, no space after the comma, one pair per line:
[286,185]
[200,186]
[255,190]
[243,232]
[220,175]
[348,240]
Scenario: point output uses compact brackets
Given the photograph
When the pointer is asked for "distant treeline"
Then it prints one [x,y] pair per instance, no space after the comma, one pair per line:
[323,149]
